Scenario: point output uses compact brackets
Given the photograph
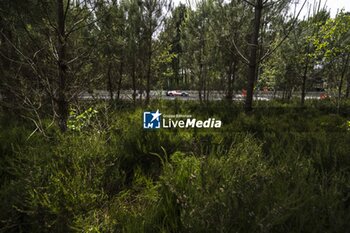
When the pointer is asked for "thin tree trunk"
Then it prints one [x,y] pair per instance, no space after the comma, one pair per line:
[201,66]
[148,76]
[148,79]
[233,78]
[62,103]
[253,55]
[133,73]
[141,76]
[200,78]
[204,85]
[109,82]
[176,70]
[207,87]
[200,87]
[274,93]
[303,84]
[343,75]
[289,96]
[342,79]
[121,71]
[230,79]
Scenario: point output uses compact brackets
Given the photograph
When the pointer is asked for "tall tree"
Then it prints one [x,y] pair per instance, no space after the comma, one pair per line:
[258,6]
[260,9]
[332,45]
[51,56]
[62,103]
[153,19]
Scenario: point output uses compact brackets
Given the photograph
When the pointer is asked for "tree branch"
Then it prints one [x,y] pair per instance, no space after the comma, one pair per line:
[66,11]
[285,37]
[250,3]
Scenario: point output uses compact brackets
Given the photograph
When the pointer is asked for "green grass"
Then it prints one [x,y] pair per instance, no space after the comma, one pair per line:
[281,168]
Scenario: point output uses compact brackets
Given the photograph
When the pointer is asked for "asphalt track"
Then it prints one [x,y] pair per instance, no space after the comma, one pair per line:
[193,95]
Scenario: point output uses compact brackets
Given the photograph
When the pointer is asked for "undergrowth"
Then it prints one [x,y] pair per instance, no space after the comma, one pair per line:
[279,169]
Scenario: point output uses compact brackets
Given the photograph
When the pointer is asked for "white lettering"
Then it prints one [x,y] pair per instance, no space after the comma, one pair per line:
[217,124]
[206,124]
[165,124]
[190,123]
[181,124]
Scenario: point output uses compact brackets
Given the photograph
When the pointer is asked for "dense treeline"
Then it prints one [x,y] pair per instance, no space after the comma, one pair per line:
[53,50]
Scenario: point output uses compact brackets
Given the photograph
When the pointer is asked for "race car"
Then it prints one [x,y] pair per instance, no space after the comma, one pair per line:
[177,93]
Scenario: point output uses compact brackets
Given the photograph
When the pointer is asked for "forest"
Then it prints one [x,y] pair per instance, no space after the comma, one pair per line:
[255,101]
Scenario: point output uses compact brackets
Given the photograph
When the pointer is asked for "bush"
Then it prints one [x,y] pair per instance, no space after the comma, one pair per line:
[280,169]
[243,191]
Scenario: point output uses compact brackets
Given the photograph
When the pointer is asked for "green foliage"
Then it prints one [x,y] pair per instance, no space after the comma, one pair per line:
[279,169]
[78,121]
[333,38]
[246,192]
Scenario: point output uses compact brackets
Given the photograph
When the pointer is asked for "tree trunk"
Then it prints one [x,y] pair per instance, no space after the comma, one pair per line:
[148,76]
[176,71]
[141,89]
[284,92]
[201,66]
[133,73]
[253,55]
[109,82]
[62,103]
[230,80]
[200,86]
[206,87]
[121,71]
[342,79]
[303,84]
[200,80]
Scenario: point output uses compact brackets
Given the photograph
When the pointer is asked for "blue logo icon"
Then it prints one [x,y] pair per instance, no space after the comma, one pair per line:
[151,120]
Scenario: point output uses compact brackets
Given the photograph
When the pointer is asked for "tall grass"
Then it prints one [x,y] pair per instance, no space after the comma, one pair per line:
[279,169]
